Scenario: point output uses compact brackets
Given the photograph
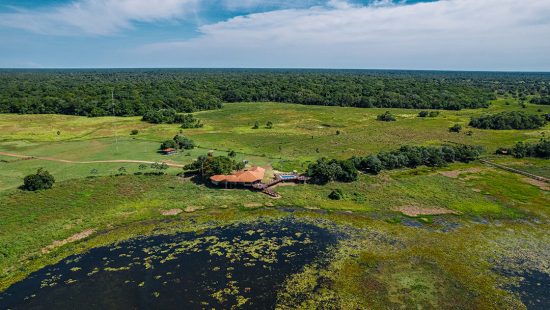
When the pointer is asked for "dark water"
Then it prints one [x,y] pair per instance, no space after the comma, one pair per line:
[533,289]
[241,265]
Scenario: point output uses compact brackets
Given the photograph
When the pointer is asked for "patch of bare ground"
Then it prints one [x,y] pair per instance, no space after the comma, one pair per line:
[253,205]
[76,237]
[192,209]
[540,184]
[454,174]
[414,211]
[171,212]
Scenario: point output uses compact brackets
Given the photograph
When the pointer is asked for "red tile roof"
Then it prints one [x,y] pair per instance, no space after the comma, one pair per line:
[246,176]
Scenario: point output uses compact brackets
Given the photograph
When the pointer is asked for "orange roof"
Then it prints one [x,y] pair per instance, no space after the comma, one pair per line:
[247,176]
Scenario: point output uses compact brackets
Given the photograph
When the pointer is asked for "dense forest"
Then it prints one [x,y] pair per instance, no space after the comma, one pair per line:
[137,91]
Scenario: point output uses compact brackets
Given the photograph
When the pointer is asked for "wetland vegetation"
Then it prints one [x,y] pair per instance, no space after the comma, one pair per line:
[401,214]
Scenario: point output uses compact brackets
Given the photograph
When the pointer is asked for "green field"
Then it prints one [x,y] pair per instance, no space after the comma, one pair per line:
[500,219]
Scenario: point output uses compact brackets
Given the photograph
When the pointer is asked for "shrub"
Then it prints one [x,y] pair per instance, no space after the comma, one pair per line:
[386,117]
[324,171]
[168,144]
[414,156]
[423,114]
[39,181]
[134,132]
[540,149]
[184,143]
[456,128]
[207,166]
[336,194]
[189,121]
[269,125]
[162,116]
[256,125]
[509,120]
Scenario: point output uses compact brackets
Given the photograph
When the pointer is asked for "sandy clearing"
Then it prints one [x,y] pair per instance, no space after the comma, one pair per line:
[171,212]
[76,237]
[456,173]
[414,211]
[540,184]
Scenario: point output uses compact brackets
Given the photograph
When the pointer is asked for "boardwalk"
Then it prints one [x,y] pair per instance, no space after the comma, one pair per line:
[527,174]
[266,188]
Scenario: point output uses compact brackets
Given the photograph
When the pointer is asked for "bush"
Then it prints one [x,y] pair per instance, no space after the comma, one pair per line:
[414,156]
[39,181]
[184,143]
[456,128]
[134,132]
[162,116]
[269,125]
[428,114]
[256,125]
[540,149]
[324,171]
[168,144]
[189,121]
[179,142]
[336,194]
[509,120]
[386,117]
[207,166]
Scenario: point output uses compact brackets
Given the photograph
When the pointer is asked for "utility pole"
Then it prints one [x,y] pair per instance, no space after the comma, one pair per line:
[114,121]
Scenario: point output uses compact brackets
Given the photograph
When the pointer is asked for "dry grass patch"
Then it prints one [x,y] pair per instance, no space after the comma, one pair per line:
[540,184]
[76,237]
[415,211]
[170,212]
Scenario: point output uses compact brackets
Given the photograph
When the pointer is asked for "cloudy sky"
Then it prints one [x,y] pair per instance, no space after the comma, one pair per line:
[503,35]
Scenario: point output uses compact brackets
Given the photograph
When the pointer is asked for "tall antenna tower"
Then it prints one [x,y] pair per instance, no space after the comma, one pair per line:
[114,121]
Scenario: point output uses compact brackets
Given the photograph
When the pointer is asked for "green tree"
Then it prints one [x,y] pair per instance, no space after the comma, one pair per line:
[386,117]
[269,125]
[41,180]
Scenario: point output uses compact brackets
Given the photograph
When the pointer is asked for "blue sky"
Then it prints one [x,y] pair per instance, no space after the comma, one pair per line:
[377,34]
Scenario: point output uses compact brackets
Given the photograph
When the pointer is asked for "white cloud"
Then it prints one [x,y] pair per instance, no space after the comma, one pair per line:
[96,17]
[456,34]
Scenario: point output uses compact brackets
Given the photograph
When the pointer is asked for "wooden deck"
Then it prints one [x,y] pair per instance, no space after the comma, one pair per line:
[266,188]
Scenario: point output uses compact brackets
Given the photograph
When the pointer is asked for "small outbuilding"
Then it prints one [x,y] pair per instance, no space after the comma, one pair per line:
[169,151]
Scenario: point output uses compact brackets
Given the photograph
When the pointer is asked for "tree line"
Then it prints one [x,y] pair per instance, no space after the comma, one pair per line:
[541,149]
[509,120]
[327,170]
[88,92]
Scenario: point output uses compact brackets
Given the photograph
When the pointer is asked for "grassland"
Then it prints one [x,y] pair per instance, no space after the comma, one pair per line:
[393,260]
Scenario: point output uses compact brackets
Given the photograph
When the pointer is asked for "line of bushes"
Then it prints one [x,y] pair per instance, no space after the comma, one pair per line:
[327,170]
[509,120]
[522,149]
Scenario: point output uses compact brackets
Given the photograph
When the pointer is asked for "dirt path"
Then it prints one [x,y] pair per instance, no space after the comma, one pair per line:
[124,161]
